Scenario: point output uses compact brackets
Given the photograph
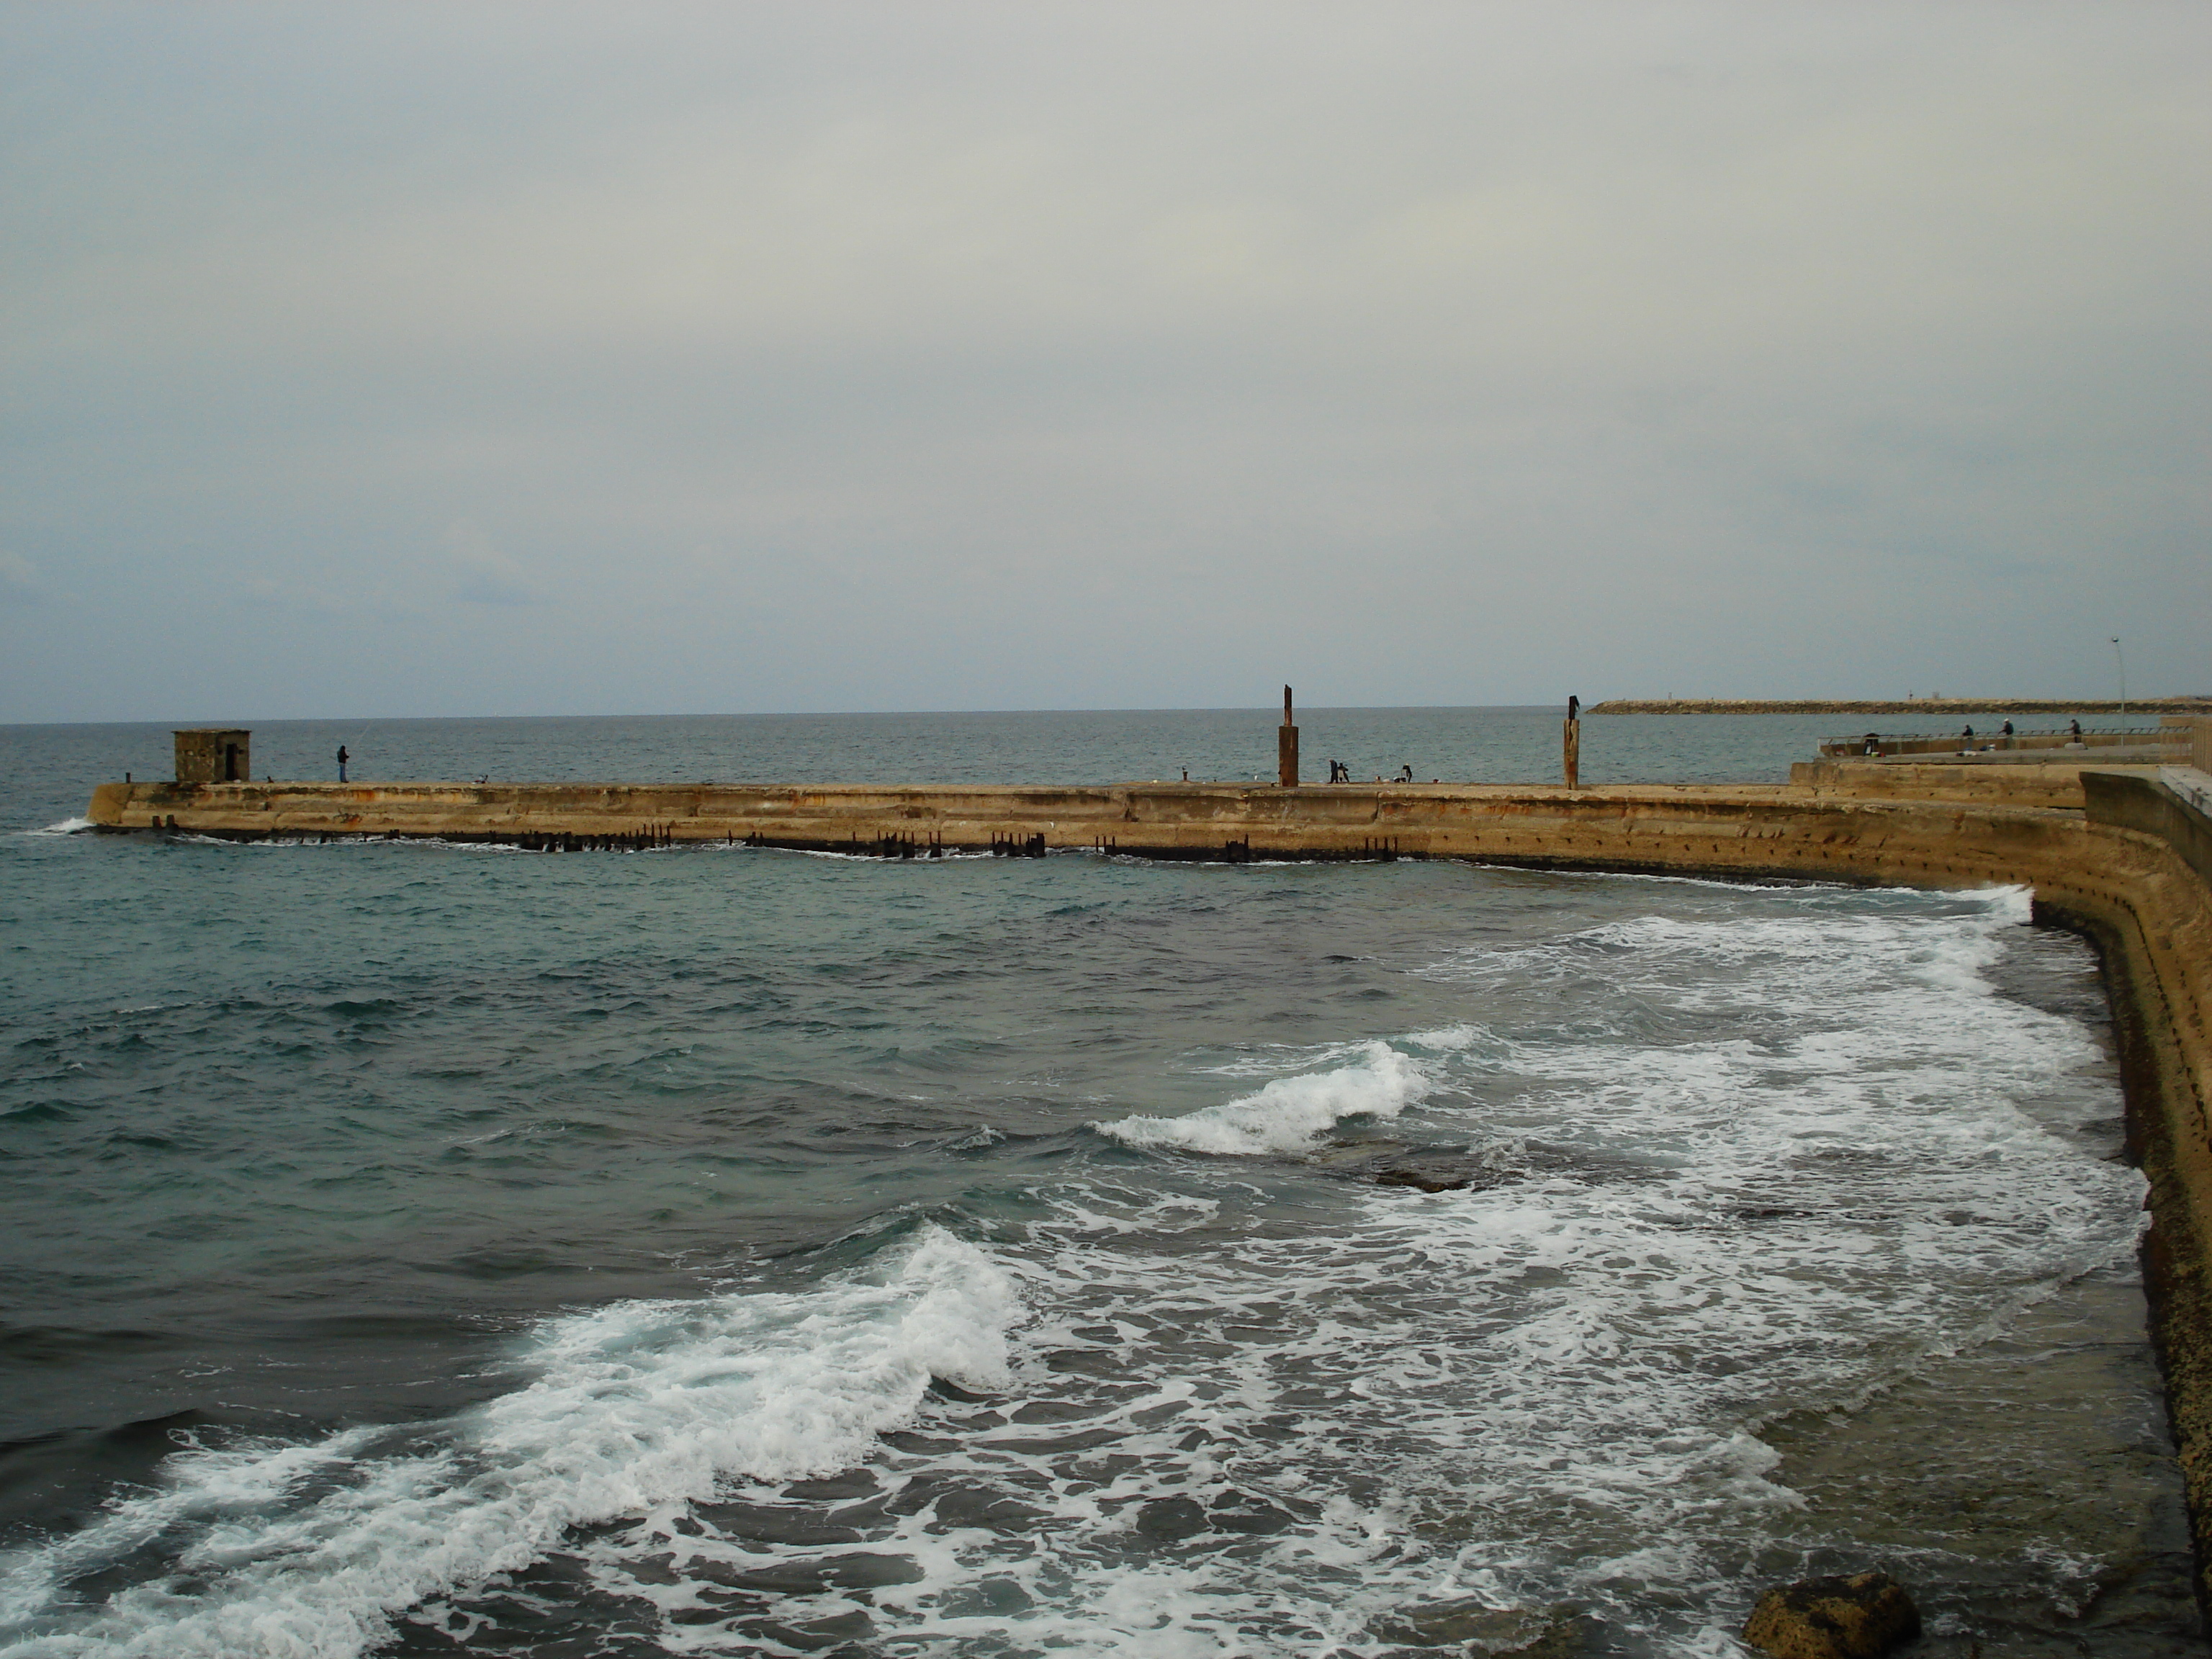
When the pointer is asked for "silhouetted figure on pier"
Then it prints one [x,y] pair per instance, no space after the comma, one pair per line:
[342,758]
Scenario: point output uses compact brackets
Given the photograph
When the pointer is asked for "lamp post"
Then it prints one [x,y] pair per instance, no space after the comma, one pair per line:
[2121,657]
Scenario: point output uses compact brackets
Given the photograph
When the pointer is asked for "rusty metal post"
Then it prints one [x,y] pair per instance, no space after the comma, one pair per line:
[1571,748]
[1286,747]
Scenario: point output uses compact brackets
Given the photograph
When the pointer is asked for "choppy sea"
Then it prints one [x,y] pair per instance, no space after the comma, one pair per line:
[417,1250]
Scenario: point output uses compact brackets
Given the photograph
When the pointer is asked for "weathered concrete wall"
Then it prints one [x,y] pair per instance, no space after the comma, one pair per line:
[2118,855]
[2052,783]
[1878,827]
[2149,905]
[1854,835]
[2169,804]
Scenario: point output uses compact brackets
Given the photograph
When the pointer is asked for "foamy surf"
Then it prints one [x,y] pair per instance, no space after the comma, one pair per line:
[311,1550]
[1740,1161]
[1288,1115]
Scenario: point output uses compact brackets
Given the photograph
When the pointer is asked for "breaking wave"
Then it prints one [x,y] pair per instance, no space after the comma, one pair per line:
[311,1549]
[1288,1115]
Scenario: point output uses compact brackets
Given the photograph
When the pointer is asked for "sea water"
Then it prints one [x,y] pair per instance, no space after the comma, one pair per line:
[423,1249]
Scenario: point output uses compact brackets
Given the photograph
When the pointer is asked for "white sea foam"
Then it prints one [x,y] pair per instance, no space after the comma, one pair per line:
[634,1406]
[1550,1389]
[66,827]
[1287,1116]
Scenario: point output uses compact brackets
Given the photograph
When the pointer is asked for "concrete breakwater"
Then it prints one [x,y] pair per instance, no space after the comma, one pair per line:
[1995,779]
[1914,825]
[1943,706]
[2123,854]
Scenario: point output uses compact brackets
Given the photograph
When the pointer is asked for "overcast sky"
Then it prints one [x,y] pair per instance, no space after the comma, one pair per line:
[380,359]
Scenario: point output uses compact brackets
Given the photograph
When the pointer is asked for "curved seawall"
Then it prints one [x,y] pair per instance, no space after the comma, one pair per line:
[2123,855]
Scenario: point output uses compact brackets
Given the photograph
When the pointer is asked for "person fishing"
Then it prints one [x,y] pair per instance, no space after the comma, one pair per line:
[342,758]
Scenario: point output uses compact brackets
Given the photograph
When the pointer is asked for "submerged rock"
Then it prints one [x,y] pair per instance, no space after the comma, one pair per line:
[1471,1628]
[1861,1616]
[1449,1169]
[1240,1511]
[1428,1181]
[1171,1518]
[1439,1172]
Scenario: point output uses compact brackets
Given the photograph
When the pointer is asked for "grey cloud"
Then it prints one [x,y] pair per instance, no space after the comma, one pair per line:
[486,575]
[18,580]
[976,355]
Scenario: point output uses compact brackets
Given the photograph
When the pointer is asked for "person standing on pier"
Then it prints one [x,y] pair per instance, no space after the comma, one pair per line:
[342,758]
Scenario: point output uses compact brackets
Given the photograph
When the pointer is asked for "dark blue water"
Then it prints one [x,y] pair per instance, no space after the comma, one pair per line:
[421,1249]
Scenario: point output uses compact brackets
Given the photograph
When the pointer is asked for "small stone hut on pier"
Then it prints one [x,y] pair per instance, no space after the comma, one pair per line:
[214,754]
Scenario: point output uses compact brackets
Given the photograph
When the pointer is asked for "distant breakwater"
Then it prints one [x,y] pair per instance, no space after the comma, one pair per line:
[1945,707]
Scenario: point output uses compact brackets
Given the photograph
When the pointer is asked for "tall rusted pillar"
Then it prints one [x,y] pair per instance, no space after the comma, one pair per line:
[1572,747]
[1286,747]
